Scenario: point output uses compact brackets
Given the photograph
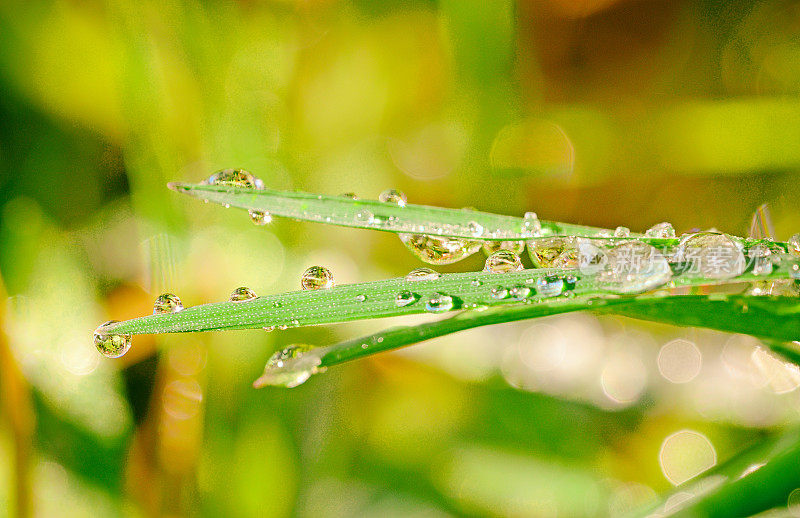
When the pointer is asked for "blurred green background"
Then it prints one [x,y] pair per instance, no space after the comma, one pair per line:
[601,112]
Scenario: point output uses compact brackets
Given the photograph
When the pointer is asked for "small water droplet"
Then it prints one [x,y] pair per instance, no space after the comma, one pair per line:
[439,249]
[234,178]
[622,232]
[499,292]
[550,286]
[476,282]
[761,257]
[242,294]
[531,224]
[365,217]
[519,292]
[350,195]
[422,274]
[269,329]
[290,366]
[570,281]
[503,261]
[475,229]
[167,303]
[404,298]
[260,217]
[393,196]
[490,247]
[794,245]
[634,267]
[712,255]
[361,297]
[111,345]
[438,303]
[317,278]
[662,230]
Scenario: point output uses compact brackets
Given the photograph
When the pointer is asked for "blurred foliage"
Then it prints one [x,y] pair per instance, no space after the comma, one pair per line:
[600,112]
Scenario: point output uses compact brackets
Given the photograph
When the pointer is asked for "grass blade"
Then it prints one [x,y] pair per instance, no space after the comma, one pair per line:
[376,215]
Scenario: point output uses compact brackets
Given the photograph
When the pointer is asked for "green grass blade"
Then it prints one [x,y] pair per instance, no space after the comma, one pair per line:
[352,302]
[774,318]
[755,480]
[376,215]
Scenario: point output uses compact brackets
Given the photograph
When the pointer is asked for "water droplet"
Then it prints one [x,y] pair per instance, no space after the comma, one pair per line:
[622,232]
[350,195]
[260,217]
[393,196]
[242,294]
[422,274]
[439,249]
[591,259]
[317,278]
[404,298]
[570,281]
[111,345]
[234,178]
[503,261]
[475,229]
[519,292]
[290,366]
[662,230]
[712,255]
[365,217]
[361,297]
[438,303]
[167,303]
[531,224]
[553,252]
[761,257]
[269,329]
[794,245]
[634,267]
[490,247]
[550,286]
[499,292]
[476,282]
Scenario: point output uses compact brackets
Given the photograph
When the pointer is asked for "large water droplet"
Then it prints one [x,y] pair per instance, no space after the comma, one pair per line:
[290,366]
[712,255]
[490,247]
[242,294]
[404,298]
[622,232]
[550,286]
[393,196]
[503,261]
[531,224]
[794,245]
[111,345]
[438,303]
[761,257]
[234,178]
[260,217]
[167,303]
[634,267]
[439,249]
[422,274]
[662,230]
[317,278]
[553,252]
